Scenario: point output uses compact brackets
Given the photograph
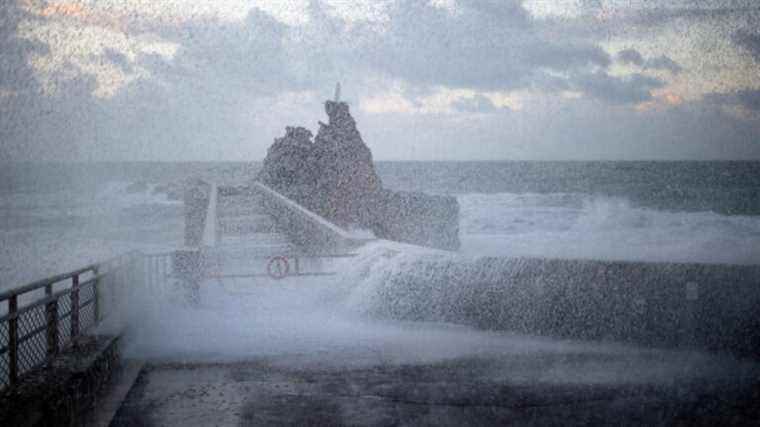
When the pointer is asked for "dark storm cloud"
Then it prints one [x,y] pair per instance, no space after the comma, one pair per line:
[631,89]
[662,62]
[747,98]
[599,20]
[749,42]
[476,47]
[249,55]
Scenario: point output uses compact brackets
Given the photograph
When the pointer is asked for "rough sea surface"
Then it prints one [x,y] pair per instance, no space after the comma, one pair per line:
[58,216]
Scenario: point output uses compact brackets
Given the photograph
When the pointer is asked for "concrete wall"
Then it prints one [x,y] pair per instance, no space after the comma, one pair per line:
[713,307]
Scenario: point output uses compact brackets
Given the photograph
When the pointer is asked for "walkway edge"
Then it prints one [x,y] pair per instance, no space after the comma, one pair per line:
[105,409]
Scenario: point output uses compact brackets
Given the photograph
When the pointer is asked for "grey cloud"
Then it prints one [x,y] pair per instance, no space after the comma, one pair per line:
[471,48]
[201,99]
[117,58]
[662,62]
[750,42]
[748,98]
[19,88]
[632,20]
[476,104]
[631,89]
[630,56]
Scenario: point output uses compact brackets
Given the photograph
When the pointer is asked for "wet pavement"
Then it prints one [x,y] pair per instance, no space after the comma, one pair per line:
[485,390]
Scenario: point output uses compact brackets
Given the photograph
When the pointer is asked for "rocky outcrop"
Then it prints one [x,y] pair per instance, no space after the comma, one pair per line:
[334,176]
[345,175]
[288,160]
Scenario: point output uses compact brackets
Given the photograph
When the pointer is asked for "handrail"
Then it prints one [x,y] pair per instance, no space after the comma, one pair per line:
[22,324]
[41,283]
[294,206]
[303,225]
[48,298]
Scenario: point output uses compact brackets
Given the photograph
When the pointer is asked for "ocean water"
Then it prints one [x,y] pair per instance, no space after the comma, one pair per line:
[56,216]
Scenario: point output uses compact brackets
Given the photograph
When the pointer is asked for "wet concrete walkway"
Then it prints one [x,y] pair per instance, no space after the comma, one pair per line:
[516,389]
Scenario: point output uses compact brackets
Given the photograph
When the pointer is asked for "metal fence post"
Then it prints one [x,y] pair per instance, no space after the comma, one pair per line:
[96,294]
[74,308]
[51,309]
[13,339]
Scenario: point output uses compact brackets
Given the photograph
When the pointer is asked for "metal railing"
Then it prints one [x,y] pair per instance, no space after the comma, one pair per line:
[39,320]
[158,267]
[276,266]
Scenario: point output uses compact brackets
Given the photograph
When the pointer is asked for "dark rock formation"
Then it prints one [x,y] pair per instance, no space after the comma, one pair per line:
[345,175]
[334,177]
[288,160]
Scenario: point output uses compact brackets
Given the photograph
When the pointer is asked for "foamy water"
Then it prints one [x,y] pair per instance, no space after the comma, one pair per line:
[324,321]
[598,227]
[45,234]
[329,320]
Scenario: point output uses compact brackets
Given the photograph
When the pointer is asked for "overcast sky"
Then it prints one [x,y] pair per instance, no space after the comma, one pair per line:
[426,79]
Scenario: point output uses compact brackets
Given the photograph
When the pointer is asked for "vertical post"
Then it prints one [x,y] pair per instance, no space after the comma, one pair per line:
[74,308]
[96,294]
[13,339]
[297,265]
[51,309]
[692,297]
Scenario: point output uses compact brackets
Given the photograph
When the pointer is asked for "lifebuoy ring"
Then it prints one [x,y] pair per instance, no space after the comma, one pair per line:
[278,267]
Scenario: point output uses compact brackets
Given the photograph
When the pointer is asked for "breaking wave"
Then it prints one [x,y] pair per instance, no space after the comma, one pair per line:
[584,226]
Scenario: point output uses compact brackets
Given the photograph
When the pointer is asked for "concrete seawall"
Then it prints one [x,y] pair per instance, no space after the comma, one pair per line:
[703,306]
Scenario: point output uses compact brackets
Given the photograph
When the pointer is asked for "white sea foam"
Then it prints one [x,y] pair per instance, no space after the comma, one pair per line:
[583,226]
[303,321]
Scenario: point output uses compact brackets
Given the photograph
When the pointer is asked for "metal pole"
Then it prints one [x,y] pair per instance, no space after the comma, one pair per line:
[74,308]
[96,294]
[13,339]
[51,309]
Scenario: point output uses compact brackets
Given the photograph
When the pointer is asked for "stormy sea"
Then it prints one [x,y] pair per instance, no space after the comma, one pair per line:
[59,216]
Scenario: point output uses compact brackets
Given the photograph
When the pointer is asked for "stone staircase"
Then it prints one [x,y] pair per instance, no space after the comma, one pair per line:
[246,235]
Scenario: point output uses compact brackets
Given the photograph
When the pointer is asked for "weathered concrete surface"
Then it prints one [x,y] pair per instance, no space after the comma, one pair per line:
[113,394]
[517,389]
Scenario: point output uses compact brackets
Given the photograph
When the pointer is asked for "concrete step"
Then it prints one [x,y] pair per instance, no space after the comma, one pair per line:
[253,240]
[240,205]
[247,224]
